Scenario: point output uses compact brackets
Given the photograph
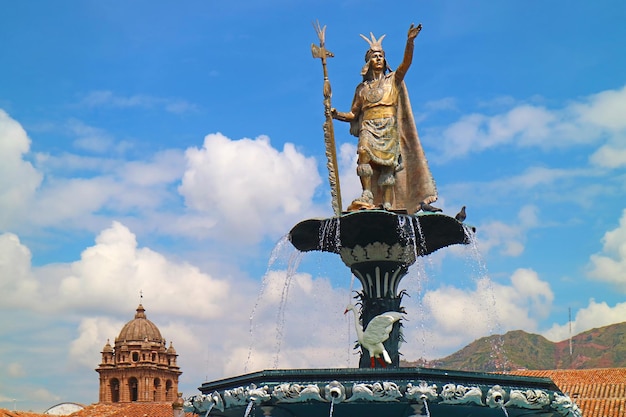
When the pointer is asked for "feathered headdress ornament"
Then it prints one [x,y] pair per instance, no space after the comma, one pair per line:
[376,45]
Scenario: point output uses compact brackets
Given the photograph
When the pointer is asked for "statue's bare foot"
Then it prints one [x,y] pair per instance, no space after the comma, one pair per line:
[366,197]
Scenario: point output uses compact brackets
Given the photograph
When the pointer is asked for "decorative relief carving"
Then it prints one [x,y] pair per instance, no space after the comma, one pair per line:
[335,392]
[294,393]
[421,392]
[203,403]
[459,394]
[530,398]
[495,396]
[242,396]
[377,251]
[416,393]
[564,405]
[386,391]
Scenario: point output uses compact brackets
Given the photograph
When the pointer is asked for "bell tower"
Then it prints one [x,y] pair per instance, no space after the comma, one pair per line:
[139,367]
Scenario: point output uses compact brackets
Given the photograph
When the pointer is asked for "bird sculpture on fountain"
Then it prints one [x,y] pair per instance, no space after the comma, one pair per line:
[375,334]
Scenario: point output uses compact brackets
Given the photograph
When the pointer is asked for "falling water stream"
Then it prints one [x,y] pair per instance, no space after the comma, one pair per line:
[419,269]
[412,233]
[482,274]
[332,407]
[283,249]
[209,410]
[294,262]
[329,236]
[426,407]
[249,408]
[506,413]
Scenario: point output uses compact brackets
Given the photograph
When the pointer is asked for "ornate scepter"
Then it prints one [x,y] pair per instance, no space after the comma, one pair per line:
[329,131]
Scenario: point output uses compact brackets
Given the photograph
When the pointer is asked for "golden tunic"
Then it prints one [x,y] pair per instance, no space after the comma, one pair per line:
[375,102]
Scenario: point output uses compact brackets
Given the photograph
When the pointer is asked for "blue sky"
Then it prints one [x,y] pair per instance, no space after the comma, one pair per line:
[167,147]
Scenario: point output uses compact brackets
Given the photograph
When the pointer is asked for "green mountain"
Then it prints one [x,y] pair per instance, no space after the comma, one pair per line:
[604,347]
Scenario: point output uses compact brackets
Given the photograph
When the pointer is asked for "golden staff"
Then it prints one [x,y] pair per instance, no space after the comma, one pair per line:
[329,131]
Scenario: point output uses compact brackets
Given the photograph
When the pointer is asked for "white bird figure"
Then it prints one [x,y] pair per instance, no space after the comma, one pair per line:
[375,334]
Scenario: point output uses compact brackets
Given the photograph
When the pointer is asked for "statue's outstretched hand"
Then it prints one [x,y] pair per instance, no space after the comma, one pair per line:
[414,31]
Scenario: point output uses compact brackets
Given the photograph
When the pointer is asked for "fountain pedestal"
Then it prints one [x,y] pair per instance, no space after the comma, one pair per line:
[379,246]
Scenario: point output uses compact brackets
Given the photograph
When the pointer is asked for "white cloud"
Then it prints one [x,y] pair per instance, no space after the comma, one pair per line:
[349,181]
[43,395]
[587,121]
[93,332]
[108,277]
[596,314]
[90,138]
[610,264]
[605,109]
[115,270]
[508,239]
[17,284]
[105,98]
[610,156]
[477,132]
[115,187]
[456,316]
[249,187]
[447,103]
[15,370]
[19,180]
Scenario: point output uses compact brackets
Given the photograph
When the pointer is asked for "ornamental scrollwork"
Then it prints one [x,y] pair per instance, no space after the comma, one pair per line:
[531,398]
[386,391]
[294,393]
[460,394]
[421,392]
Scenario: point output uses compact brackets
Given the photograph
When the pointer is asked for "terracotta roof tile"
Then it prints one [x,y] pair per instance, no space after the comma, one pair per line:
[7,413]
[598,392]
[128,410]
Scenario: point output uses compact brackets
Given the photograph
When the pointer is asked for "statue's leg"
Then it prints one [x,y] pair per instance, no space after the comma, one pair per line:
[387,180]
[364,171]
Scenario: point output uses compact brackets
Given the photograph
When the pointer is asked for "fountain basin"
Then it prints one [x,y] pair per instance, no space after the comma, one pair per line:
[427,232]
[375,392]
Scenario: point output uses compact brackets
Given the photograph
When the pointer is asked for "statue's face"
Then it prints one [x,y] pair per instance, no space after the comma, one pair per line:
[377,60]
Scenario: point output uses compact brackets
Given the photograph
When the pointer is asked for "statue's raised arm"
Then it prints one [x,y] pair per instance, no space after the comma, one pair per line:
[408,52]
[391,164]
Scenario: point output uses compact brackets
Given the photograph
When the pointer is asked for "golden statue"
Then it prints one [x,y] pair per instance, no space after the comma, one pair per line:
[392,166]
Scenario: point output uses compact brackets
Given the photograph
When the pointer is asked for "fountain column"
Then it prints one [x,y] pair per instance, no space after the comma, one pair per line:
[379,270]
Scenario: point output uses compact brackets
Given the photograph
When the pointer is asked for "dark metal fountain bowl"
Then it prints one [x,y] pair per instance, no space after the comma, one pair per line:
[428,232]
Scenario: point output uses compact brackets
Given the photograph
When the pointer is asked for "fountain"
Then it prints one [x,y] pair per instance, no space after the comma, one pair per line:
[379,237]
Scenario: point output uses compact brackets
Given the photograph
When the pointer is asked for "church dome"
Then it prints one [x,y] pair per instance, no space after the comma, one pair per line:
[140,329]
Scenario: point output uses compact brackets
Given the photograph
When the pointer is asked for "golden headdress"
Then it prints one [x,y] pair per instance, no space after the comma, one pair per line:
[376,45]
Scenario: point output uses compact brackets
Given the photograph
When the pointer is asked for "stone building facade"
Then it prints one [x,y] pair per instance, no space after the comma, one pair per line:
[139,367]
